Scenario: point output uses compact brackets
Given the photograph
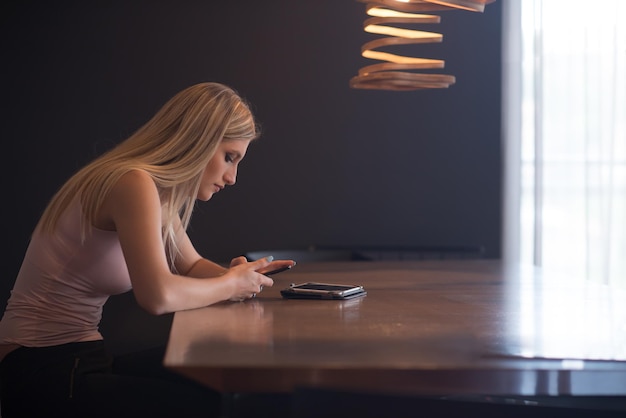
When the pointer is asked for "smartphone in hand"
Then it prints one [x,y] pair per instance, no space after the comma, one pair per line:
[278,270]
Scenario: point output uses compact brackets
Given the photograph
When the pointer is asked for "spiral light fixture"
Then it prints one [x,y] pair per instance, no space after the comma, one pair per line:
[397,72]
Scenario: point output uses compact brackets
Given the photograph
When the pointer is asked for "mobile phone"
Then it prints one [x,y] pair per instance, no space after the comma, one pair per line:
[278,270]
[315,290]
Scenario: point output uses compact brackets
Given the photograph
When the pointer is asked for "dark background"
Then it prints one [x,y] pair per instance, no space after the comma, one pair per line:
[334,166]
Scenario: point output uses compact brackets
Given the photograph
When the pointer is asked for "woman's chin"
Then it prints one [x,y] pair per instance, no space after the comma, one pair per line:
[205,197]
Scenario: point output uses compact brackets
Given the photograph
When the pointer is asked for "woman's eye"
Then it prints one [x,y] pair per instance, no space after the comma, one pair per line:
[229,158]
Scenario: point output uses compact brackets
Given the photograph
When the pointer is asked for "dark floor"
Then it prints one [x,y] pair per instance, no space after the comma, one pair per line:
[314,403]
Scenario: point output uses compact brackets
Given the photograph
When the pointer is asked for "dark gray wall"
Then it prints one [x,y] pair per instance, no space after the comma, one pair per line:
[335,166]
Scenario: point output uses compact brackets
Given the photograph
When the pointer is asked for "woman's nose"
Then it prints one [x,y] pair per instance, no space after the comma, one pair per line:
[230,176]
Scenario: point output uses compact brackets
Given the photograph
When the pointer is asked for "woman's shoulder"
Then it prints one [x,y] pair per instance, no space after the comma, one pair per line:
[133,186]
[135,180]
[137,174]
[133,194]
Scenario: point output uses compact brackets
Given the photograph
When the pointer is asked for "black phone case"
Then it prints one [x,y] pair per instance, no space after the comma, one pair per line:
[289,293]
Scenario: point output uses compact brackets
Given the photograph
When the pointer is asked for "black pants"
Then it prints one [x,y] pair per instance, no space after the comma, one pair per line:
[83,380]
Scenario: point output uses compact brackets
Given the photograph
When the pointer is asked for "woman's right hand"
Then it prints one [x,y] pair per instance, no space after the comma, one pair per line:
[247,281]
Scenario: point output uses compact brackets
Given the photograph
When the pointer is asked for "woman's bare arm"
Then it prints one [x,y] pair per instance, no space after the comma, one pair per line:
[134,208]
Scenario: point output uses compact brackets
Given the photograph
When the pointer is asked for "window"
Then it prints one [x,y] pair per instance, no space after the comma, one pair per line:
[565,137]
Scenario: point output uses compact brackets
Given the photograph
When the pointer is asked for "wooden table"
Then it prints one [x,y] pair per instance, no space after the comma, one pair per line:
[425,328]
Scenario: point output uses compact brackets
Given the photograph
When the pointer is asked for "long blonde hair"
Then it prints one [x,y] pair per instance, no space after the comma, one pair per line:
[174,147]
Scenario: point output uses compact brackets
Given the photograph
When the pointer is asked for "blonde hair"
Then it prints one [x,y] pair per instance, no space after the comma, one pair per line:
[173,147]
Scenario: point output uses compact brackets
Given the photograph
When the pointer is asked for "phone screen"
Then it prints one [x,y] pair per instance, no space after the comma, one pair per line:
[317,290]
[326,287]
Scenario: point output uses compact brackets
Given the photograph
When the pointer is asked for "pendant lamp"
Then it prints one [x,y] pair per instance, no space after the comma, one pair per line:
[394,20]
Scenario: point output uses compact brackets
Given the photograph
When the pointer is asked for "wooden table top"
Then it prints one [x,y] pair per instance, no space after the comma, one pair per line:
[425,327]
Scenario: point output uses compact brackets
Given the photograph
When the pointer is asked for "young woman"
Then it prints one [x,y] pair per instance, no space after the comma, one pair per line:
[120,224]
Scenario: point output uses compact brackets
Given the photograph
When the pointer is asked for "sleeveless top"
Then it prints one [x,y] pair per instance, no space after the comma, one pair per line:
[63,284]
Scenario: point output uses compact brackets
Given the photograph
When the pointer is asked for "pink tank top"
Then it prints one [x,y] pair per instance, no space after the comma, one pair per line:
[63,284]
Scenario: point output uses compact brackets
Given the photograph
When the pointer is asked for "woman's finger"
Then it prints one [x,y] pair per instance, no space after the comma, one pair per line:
[263,262]
[238,260]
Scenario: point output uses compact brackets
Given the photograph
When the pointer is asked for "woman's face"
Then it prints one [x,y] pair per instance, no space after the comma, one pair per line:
[222,168]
